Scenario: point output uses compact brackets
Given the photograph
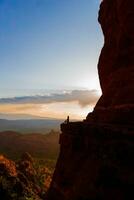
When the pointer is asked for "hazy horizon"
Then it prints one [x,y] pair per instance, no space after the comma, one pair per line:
[49,51]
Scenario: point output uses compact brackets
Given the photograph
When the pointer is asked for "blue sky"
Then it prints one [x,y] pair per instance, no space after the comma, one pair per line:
[48,45]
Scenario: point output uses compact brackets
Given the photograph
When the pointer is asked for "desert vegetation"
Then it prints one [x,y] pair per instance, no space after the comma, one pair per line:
[24,175]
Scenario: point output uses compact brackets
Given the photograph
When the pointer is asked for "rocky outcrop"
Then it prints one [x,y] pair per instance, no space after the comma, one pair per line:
[96,156]
[116,63]
[96,163]
[7,167]
[18,181]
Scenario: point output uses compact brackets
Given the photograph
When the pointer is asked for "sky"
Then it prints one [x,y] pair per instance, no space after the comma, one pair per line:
[49,51]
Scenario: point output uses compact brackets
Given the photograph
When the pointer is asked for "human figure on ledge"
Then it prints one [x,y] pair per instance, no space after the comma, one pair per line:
[67,120]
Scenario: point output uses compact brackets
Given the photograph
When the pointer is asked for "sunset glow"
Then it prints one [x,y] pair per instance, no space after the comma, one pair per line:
[49,53]
[54,110]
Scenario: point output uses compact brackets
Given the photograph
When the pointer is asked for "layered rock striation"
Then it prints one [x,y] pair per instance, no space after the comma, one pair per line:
[96,156]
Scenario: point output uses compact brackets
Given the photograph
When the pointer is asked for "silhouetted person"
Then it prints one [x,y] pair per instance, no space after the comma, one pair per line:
[67,119]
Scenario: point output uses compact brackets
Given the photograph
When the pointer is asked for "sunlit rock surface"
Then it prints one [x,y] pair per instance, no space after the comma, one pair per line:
[18,179]
[96,159]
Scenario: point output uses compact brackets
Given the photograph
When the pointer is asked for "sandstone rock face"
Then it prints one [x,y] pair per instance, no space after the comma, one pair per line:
[116,63]
[96,156]
[96,163]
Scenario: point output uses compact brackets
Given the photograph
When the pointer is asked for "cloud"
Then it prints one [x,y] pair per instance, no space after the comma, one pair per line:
[83,97]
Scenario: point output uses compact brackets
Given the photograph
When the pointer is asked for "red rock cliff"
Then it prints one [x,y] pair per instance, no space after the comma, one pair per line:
[96,159]
[116,63]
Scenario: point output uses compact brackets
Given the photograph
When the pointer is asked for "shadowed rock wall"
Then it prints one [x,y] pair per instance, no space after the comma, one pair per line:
[116,63]
[95,163]
[96,157]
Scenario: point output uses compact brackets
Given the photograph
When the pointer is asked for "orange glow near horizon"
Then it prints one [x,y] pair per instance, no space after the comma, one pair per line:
[52,110]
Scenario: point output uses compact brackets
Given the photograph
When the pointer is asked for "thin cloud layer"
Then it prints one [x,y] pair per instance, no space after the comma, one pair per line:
[83,97]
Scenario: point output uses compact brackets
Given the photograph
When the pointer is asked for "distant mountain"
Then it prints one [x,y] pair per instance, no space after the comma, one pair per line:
[9,116]
[30,125]
[13,144]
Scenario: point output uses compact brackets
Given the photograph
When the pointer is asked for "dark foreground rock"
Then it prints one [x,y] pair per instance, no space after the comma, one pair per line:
[96,159]
[96,162]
